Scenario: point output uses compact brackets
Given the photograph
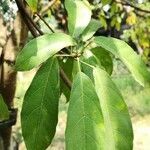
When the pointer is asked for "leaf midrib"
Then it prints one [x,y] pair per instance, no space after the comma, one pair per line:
[107,113]
[43,97]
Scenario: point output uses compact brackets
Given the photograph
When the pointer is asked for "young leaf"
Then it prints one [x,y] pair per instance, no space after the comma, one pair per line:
[104,57]
[122,50]
[4,113]
[93,26]
[117,121]
[79,16]
[85,128]
[39,114]
[40,49]
[33,4]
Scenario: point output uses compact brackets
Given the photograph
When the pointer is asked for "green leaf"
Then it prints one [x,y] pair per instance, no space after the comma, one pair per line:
[33,4]
[122,50]
[85,127]
[67,66]
[40,49]
[4,113]
[79,16]
[105,2]
[86,68]
[93,26]
[104,58]
[39,114]
[117,121]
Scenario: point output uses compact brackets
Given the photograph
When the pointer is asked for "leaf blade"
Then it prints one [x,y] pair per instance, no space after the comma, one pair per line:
[89,31]
[40,49]
[122,50]
[117,121]
[77,10]
[104,57]
[39,114]
[84,124]
[4,112]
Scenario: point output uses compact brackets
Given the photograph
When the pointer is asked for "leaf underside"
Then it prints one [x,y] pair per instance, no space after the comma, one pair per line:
[118,127]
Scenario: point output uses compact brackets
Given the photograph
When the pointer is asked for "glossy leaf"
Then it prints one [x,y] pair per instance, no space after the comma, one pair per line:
[85,128]
[33,4]
[117,121]
[93,26]
[39,114]
[104,57]
[4,113]
[40,49]
[79,16]
[123,51]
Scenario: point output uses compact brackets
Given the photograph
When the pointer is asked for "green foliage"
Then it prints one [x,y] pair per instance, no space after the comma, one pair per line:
[67,66]
[104,57]
[4,113]
[89,31]
[117,121]
[39,114]
[40,49]
[77,10]
[123,51]
[85,127]
[97,113]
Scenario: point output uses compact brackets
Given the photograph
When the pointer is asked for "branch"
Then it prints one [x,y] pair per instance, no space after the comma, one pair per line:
[65,78]
[25,13]
[126,3]
[32,26]
[45,9]
[45,22]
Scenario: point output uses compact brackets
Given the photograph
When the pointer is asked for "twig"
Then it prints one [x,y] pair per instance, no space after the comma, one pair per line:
[45,22]
[65,78]
[131,5]
[45,9]
[30,23]
[21,7]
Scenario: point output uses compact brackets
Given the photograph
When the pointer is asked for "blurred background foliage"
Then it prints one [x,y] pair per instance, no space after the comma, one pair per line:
[124,19]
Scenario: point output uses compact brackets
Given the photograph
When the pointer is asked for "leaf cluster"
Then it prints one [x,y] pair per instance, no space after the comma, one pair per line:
[97,113]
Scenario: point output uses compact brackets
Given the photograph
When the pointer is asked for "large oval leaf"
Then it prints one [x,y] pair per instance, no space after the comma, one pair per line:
[4,113]
[79,16]
[40,49]
[117,121]
[40,107]
[85,128]
[122,50]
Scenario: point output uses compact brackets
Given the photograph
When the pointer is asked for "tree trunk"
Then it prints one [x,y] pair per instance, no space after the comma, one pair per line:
[9,50]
